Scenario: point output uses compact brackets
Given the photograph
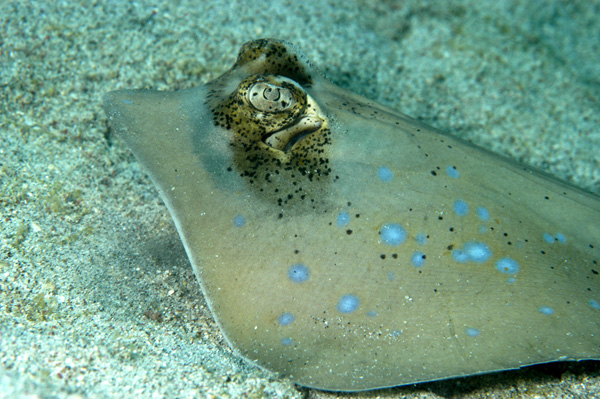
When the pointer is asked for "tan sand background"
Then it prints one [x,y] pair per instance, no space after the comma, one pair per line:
[97,298]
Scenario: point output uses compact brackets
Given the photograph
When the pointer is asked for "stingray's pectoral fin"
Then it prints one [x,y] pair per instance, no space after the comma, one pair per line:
[159,129]
[142,115]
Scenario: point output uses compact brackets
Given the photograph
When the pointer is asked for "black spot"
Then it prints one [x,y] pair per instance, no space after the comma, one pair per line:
[348,231]
[382,256]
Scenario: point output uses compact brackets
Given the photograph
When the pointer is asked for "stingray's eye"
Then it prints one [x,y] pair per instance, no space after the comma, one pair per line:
[268,97]
[271,109]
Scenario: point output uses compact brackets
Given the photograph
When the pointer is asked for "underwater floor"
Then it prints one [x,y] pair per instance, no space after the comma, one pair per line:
[97,297]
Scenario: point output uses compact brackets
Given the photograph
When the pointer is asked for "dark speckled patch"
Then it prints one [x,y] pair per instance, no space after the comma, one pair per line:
[277,60]
[280,139]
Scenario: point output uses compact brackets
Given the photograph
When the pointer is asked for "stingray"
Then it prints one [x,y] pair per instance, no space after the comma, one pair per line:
[349,247]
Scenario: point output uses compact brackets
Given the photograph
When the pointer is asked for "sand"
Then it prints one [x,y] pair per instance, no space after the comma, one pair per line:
[97,298]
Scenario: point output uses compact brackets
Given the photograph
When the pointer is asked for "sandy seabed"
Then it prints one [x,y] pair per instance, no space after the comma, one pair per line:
[97,297]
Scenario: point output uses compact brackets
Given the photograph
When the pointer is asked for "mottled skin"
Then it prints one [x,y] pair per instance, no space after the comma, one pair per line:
[350,247]
[284,177]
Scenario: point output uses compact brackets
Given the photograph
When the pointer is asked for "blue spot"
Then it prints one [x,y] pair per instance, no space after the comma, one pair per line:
[286,319]
[472,251]
[547,310]
[239,221]
[393,234]
[348,303]
[418,259]
[472,332]
[559,237]
[452,172]
[127,102]
[372,313]
[343,219]
[483,213]
[461,208]
[396,333]
[460,256]
[477,251]
[391,276]
[507,265]
[511,280]
[286,341]
[594,304]
[385,174]
[421,238]
[298,273]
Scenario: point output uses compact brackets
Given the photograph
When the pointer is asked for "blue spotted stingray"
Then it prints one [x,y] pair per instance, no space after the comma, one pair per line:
[350,247]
